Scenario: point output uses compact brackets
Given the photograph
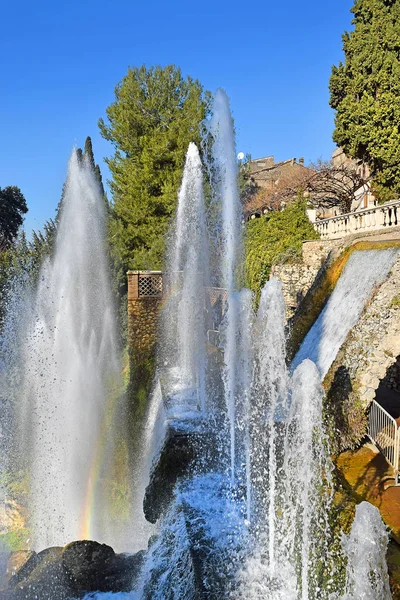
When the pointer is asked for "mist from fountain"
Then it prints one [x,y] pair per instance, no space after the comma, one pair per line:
[257,530]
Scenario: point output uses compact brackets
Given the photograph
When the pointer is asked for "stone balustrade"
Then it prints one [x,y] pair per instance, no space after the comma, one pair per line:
[379,217]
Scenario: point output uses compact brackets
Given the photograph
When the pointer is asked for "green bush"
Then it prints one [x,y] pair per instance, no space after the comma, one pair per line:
[276,237]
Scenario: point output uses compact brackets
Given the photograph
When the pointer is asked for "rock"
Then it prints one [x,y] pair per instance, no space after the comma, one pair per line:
[85,562]
[17,560]
[180,452]
[96,567]
[42,576]
[71,572]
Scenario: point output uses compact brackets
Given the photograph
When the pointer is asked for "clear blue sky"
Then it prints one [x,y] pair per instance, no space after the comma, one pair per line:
[60,62]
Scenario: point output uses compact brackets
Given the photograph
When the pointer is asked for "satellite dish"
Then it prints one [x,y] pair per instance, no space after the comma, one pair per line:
[240,156]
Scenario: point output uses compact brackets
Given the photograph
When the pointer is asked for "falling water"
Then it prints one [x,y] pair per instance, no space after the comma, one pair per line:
[364,270]
[261,532]
[70,370]
[289,461]
[365,548]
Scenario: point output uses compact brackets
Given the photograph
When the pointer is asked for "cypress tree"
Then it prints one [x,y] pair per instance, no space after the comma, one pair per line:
[365,93]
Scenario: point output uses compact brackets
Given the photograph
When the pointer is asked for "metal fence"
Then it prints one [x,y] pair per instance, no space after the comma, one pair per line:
[384,433]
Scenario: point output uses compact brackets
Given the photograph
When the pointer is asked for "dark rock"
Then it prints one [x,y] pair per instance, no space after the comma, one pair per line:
[73,571]
[33,561]
[17,560]
[85,562]
[43,576]
[182,451]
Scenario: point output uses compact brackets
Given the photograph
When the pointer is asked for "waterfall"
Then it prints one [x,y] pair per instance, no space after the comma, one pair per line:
[364,271]
[70,372]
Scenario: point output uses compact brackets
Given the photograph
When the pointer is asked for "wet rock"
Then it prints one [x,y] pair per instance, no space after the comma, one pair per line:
[96,567]
[42,576]
[73,571]
[181,451]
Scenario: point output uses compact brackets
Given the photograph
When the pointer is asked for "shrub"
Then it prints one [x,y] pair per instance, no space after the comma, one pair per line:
[276,237]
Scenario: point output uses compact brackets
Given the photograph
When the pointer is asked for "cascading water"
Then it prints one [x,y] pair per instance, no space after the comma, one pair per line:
[71,373]
[289,462]
[364,270]
[256,531]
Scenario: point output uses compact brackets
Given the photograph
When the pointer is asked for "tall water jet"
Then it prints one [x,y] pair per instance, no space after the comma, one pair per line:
[365,548]
[71,371]
[269,396]
[229,241]
[307,492]
[188,275]
[290,464]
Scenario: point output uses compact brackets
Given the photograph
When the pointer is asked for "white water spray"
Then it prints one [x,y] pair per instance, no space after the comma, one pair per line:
[365,547]
[188,277]
[364,270]
[70,365]
[229,242]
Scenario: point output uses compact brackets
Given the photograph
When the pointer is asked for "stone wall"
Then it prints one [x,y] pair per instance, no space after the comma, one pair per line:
[144,301]
[298,277]
[142,327]
[392,379]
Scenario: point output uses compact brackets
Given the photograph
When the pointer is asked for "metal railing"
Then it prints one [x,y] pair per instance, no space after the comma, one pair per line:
[384,433]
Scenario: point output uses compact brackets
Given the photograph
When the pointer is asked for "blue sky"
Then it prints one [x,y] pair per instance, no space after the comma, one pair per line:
[60,62]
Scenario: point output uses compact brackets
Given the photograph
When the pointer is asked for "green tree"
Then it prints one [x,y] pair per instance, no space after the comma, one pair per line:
[365,93]
[12,210]
[86,153]
[156,113]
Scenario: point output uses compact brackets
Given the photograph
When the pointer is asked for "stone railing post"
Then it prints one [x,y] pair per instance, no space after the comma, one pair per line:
[374,218]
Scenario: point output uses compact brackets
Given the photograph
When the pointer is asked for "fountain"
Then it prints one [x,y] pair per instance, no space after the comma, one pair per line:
[69,390]
[237,466]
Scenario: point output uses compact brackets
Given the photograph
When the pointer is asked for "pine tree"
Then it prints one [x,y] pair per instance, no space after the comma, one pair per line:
[156,113]
[365,93]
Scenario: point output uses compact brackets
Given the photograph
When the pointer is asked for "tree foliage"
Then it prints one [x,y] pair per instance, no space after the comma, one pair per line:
[275,237]
[84,155]
[156,113]
[12,210]
[365,93]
